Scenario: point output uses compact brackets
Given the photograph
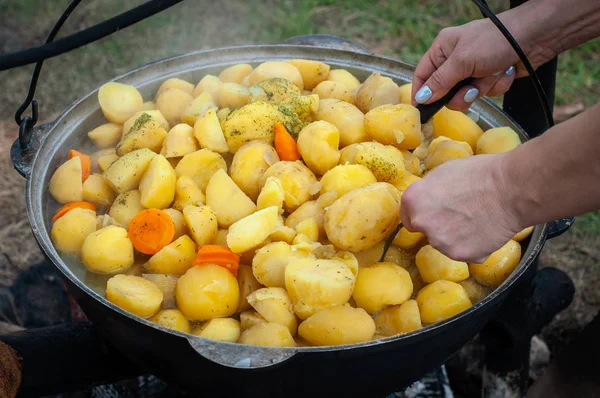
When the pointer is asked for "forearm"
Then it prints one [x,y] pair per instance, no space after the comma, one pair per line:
[557,174]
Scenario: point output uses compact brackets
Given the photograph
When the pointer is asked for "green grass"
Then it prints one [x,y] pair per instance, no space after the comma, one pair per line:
[588,224]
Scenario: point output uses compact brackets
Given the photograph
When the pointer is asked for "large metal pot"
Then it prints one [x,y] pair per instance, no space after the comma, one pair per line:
[219,369]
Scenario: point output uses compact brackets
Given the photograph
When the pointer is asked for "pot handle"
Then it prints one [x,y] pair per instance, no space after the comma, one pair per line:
[327,41]
[240,356]
[25,148]
[558,227]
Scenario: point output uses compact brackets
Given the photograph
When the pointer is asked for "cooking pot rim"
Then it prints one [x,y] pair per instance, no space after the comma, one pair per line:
[324,53]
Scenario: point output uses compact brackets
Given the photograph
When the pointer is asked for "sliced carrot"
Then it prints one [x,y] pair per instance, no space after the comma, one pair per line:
[285,145]
[219,255]
[70,206]
[86,163]
[151,230]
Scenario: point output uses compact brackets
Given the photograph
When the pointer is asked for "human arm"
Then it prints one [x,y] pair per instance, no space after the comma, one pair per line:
[470,207]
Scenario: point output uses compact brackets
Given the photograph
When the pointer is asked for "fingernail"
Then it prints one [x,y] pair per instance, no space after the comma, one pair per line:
[423,95]
[510,71]
[471,94]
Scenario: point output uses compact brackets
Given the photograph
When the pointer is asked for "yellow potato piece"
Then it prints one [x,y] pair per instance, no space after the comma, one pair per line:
[344,178]
[200,166]
[346,117]
[270,261]
[179,141]
[178,220]
[274,305]
[175,258]
[166,284]
[187,193]
[385,161]
[249,232]
[312,72]
[334,90]
[119,101]
[456,126]
[175,82]
[338,325]
[103,159]
[397,125]
[523,234]
[311,209]
[394,255]
[209,84]
[235,73]
[283,234]
[498,266]
[248,284]
[405,181]
[412,163]
[251,122]
[435,266]
[407,240]
[148,106]
[202,223]
[318,144]
[65,184]
[107,251]
[126,206]
[69,232]
[475,290]
[126,172]
[444,152]
[441,300]
[234,96]
[157,186]
[134,294]
[229,203]
[296,179]
[221,238]
[207,291]
[377,91]
[221,329]
[271,194]
[207,131]
[250,318]
[268,334]
[249,164]
[154,115]
[97,190]
[403,318]
[380,285]
[497,140]
[198,108]
[308,227]
[343,76]
[172,103]
[106,135]
[405,94]
[271,69]
[172,319]
[146,132]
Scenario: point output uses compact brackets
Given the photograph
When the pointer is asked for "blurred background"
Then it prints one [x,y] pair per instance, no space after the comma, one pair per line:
[401,29]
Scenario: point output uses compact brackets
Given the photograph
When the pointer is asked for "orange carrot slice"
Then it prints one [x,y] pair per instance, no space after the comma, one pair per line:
[219,255]
[70,206]
[151,230]
[86,163]
[285,145]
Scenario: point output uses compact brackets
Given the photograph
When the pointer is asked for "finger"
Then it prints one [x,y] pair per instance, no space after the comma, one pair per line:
[441,81]
[504,82]
[465,96]
[406,210]
[429,63]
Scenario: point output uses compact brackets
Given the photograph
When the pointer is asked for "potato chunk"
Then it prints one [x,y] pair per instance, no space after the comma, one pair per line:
[207,130]
[441,300]
[134,294]
[434,266]
[385,161]
[166,284]
[363,217]
[380,285]
[268,334]
[407,240]
[119,101]
[296,179]
[135,118]
[497,140]
[107,251]
[443,152]
[97,190]
[270,69]
[172,319]
[343,76]
[209,84]
[200,166]
[172,103]
[175,258]
[198,108]
[178,220]
[403,318]
[157,186]
[250,163]
[179,142]
[475,290]
[175,82]
[202,223]
[207,291]
[405,93]
[397,125]
[499,265]
[229,203]
[274,305]
[252,122]
[412,164]
[271,194]
[344,178]
[250,318]
[312,72]
[377,91]
[146,132]
[248,284]
[126,172]
[346,117]
[69,231]
[235,73]
[270,261]
[106,135]
[65,184]
[338,325]
[234,96]
[456,126]
[126,206]
[221,329]
[251,231]
[334,90]
[318,144]
[523,234]
[187,193]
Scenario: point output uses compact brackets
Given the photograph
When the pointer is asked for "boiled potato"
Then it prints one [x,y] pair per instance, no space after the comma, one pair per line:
[146,132]
[270,261]
[173,103]
[105,220]
[251,231]
[274,305]
[310,209]
[207,291]
[497,140]
[338,325]
[412,163]
[308,227]
[475,290]
[223,114]
[344,178]
[377,91]
[268,334]
[435,266]
[283,234]
[271,194]
[179,141]
[271,69]
[202,223]
[69,231]
[334,90]
[403,318]
[119,101]
[274,91]
[166,284]
[249,164]
[407,240]
[221,329]
[385,161]
[380,285]
[312,72]
[107,251]
[235,73]
[139,116]
[106,135]
[498,266]
[126,206]
[172,319]
[456,126]
[349,259]
[233,95]
[398,125]
[443,152]
[197,108]
[315,285]
[318,144]
[363,217]
[343,76]
[157,186]
[134,294]
[250,318]
[405,181]
[406,93]
[523,234]
[105,160]
[175,258]
[346,117]
[178,220]
[304,107]
[207,130]
[200,166]
[394,255]
[251,122]
[296,179]
[441,300]
[229,203]
[221,238]
[97,190]
[248,284]
[175,82]
[148,106]
[65,184]
[209,84]
[187,193]
[126,172]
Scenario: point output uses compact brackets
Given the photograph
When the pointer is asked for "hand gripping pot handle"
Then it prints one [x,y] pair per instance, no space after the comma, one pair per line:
[240,356]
